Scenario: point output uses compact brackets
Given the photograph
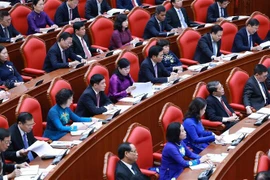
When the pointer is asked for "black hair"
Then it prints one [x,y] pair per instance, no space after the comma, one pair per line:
[122,63]
[96,79]
[264,175]
[216,28]
[64,36]
[154,51]
[259,69]
[160,9]
[3,14]
[4,133]
[195,107]
[2,48]
[34,2]
[253,22]
[118,22]
[78,25]
[63,95]
[23,117]
[123,148]
[222,1]
[212,86]
[163,42]
[173,132]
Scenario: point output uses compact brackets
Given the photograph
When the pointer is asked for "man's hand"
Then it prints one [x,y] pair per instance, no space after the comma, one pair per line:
[23,152]
[256,48]
[22,165]
[248,110]
[14,174]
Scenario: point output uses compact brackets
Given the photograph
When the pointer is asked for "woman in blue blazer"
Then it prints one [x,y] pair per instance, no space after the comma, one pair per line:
[197,137]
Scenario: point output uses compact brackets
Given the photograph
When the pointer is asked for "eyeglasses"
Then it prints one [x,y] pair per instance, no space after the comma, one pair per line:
[7,142]
[30,125]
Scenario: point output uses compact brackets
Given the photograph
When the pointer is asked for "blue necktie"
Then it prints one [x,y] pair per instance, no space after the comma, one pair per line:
[30,155]
[250,41]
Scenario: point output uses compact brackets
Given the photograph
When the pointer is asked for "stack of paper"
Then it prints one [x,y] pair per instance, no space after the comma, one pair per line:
[4,4]
[141,89]
[255,115]
[265,45]
[264,111]
[218,158]
[96,125]
[42,148]
[61,144]
[115,11]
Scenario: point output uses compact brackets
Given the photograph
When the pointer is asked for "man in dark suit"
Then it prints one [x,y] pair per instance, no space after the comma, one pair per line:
[67,13]
[217,11]
[92,8]
[153,70]
[21,133]
[13,2]
[80,42]
[157,2]
[218,108]
[157,24]
[7,32]
[8,168]
[57,56]
[93,100]
[127,167]
[208,47]
[246,37]
[128,4]
[255,92]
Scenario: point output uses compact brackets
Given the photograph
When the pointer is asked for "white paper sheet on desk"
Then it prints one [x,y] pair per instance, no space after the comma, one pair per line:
[160,86]
[42,148]
[30,177]
[244,54]
[217,158]
[255,115]
[31,170]
[130,100]
[83,125]
[239,17]
[200,166]
[115,10]
[123,107]
[245,130]
[264,110]
[96,125]
[4,4]
[228,57]
[141,89]
[185,76]
[264,44]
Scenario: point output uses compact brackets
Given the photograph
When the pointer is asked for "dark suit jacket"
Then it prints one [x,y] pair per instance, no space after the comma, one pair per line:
[12,33]
[13,2]
[267,81]
[252,95]
[126,4]
[87,104]
[213,13]
[91,9]
[7,168]
[173,19]
[61,16]
[204,49]
[147,72]
[17,144]
[241,40]
[152,28]
[122,172]
[159,1]
[77,46]
[54,60]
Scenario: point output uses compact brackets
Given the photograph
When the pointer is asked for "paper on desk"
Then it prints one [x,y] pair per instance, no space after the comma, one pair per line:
[61,144]
[218,158]
[265,44]
[123,107]
[96,125]
[141,89]
[161,86]
[185,76]
[114,10]
[245,130]
[197,67]
[200,166]
[264,111]
[42,148]
[239,17]
[228,138]
[244,54]
[31,170]
[255,115]
[31,177]
[4,4]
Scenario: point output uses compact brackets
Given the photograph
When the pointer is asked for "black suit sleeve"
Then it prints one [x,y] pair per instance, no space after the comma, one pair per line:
[248,90]
[204,47]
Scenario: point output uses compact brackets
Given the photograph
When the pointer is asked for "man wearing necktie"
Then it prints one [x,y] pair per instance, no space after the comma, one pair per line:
[217,11]
[127,167]
[255,93]
[247,37]
[218,108]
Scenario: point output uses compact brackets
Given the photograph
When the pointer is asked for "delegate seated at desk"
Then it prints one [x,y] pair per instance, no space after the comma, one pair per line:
[153,70]
[255,93]
[246,37]
[58,55]
[93,100]
[208,47]
[94,8]
[22,137]
[67,13]
[127,4]
[217,11]
[60,115]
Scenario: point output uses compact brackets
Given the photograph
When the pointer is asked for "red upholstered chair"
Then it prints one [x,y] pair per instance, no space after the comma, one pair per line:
[134,63]
[96,68]
[18,14]
[56,85]
[141,137]
[262,163]
[149,2]
[137,20]
[202,92]
[32,106]
[100,31]
[190,37]
[199,8]
[50,7]
[264,23]
[67,28]
[33,51]
[167,5]
[265,60]
[3,122]
[81,8]
[110,162]
[151,42]
[235,84]
[170,113]
[113,3]
[229,32]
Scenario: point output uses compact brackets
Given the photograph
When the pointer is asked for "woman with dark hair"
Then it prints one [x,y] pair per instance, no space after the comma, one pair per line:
[38,19]
[9,76]
[60,114]
[197,137]
[170,60]
[121,81]
[174,152]
[121,35]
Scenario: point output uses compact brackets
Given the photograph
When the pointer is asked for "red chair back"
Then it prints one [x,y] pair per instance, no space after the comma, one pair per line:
[151,42]
[67,28]
[167,5]
[236,83]
[264,23]
[151,2]
[96,68]
[141,137]
[262,163]
[190,37]
[110,162]
[81,8]
[113,3]
[32,106]
[50,7]
[134,63]
[265,60]
[229,32]
[3,122]
[199,8]
[18,14]
[100,31]
[201,91]
[137,20]
[33,51]
[170,113]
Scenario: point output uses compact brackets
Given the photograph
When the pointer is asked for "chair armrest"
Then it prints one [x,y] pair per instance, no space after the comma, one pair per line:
[33,72]
[209,123]
[26,78]
[44,124]
[157,156]
[42,138]
[225,52]
[151,174]
[238,107]
[188,62]
[100,47]
[184,66]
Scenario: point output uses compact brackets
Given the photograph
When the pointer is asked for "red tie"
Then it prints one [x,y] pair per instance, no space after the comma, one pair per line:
[85,49]
[225,108]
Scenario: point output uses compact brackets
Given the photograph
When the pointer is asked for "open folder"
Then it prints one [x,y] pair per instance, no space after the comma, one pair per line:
[42,148]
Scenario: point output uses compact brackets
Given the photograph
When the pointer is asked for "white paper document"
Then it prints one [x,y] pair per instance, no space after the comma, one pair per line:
[96,125]
[115,11]
[31,170]
[123,107]
[265,44]
[200,166]
[141,89]
[217,158]
[4,4]
[230,18]
[42,148]
[197,67]
[264,111]
[255,115]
